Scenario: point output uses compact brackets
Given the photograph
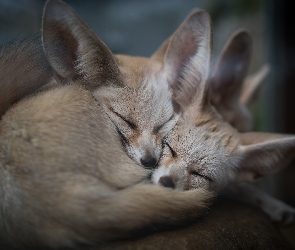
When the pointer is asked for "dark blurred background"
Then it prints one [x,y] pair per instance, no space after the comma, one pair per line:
[138,27]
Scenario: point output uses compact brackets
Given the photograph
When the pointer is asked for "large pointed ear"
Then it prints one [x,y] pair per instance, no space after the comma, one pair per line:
[252,84]
[72,48]
[187,57]
[226,81]
[230,69]
[264,154]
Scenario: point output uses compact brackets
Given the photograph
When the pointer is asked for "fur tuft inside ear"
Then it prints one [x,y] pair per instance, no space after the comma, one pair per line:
[73,50]
[187,58]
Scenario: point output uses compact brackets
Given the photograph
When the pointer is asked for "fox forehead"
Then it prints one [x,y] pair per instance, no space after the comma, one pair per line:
[145,97]
[206,144]
[135,68]
[142,105]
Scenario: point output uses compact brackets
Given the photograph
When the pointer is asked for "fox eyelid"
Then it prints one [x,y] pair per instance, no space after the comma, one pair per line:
[124,140]
[129,123]
[196,174]
[157,128]
[174,154]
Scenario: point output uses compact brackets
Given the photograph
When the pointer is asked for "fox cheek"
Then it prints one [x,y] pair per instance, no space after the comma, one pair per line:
[169,127]
[193,183]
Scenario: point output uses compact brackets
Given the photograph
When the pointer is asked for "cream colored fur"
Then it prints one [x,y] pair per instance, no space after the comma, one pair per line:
[66,180]
[65,176]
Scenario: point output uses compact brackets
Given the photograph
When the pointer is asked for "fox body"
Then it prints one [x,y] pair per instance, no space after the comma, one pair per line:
[206,149]
[76,158]
[66,179]
[72,53]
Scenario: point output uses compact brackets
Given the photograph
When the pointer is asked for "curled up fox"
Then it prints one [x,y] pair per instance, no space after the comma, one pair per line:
[77,154]
[106,145]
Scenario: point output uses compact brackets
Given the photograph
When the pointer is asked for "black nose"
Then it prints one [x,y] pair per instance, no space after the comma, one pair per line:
[148,162]
[166,181]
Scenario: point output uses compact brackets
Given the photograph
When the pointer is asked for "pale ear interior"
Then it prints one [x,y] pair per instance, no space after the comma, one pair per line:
[263,154]
[187,57]
[72,49]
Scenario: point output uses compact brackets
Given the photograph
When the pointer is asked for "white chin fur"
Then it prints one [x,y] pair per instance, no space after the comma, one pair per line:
[158,173]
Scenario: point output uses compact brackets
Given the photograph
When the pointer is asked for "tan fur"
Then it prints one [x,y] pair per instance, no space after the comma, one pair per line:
[65,177]
[76,54]
[213,155]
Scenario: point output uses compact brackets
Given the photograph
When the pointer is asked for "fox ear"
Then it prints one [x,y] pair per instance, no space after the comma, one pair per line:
[187,57]
[264,153]
[252,83]
[72,48]
[227,77]
[230,69]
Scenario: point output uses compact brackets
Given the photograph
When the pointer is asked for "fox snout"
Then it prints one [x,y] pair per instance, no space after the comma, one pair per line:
[147,158]
[148,161]
[148,150]
[167,181]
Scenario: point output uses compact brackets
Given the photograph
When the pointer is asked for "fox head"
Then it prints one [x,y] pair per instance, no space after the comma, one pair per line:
[143,114]
[205,150]
[138,94]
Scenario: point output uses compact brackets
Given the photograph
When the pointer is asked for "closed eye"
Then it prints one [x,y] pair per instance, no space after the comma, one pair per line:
[196,174]
[157,128]
[124,140]
[129,123]
[173,153]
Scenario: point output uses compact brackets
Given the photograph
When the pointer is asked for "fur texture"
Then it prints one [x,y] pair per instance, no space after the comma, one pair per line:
[66,180]
[205,148]
[65,177]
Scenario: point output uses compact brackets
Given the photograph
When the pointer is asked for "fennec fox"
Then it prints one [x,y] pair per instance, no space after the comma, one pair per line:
[65,178]
[204,150]
[76,54]
[146,114]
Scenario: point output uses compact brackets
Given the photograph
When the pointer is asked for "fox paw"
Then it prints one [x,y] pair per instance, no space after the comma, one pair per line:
[279,211]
